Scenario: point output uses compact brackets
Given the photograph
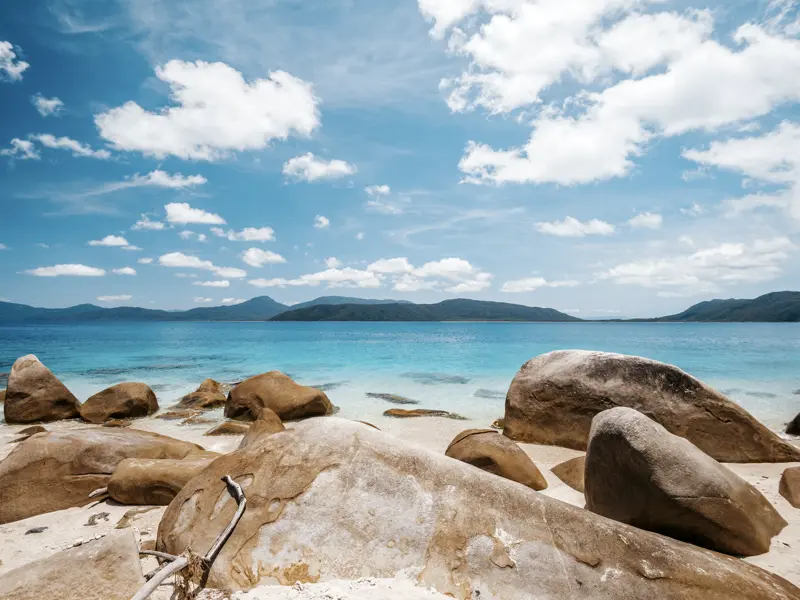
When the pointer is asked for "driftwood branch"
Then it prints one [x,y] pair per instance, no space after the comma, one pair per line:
[178,563]
[98,492]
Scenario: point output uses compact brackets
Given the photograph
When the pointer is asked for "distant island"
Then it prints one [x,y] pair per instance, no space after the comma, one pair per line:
[775,307]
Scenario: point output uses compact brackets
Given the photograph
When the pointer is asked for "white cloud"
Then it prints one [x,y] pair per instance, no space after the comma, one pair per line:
[215,112]
[10,64]
[333,278]
[532,284]
[230,272]
[379,201]
[695,210]
[571,227]
[69,270]
[47,106]
[201,300]
[111,241]
[145,261]
[145,224]
[378,190]
[202,237]
[646,220]
[248,234]
[215,284]
[182,213]
[21,150]
[256,257]
[180,260]
[124,271]
[332,262]
[310,168]
[159,178]
[454,275]
[120,298]
[321,222]
[185,234]
[64,143]
[132,248]
[3,247]
[232,300]
[359,236]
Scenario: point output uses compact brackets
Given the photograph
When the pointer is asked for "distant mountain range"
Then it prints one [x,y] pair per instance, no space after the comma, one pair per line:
[774,307]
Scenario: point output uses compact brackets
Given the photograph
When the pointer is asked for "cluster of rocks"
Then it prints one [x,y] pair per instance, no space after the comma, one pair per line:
[335,499]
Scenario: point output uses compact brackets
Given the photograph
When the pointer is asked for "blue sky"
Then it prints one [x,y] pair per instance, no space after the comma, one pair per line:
[607,158]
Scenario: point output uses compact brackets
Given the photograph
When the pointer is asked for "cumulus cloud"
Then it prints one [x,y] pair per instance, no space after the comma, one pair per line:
[321,222]
[532,284]
[256,257]
[47,107]
[145,261]
[10,64]
[124,271]
[119,298]
[571,227]
[310,168]
[68,270]
[182,213]
[695,210]
[232,300]
[214,112]
[111,241]
[333,278]
[646,221]
[215,284]
[454,275]
[332,262]
[378,190]
[248,234]
[202,300]
[145,224]
[180,260]
[21,150]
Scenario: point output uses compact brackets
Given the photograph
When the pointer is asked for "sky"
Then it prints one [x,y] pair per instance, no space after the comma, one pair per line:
[602,157]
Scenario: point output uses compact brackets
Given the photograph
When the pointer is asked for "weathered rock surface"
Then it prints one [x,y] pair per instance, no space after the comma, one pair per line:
[104,569]
[59,469]
[35,394]
[229,428]
[554,397]
[401,413]
[2,396]
[179,415]
[279,393]
[494,453]
[266,424]
[639,473]
[793,428]
[122,401]
[209,395]
[790,486]
[117,423]
[571,472]
[146,481]
[328,484]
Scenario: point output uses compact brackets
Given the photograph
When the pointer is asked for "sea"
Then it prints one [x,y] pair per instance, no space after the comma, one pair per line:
[464,368]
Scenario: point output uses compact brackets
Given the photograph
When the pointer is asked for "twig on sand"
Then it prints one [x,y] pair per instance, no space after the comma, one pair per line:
[98,492]
[178,563]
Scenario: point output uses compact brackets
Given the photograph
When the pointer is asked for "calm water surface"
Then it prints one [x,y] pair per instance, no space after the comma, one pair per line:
[462,367]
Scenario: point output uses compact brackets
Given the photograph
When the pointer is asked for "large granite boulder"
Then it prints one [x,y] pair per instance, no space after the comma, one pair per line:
[494,453]
[639,473]
[793,428]
[335,499]
[155,482]
[571,472]
[554,397]
[121,401]
[209,395]
[35,394]
[279,393]
[266,424]
[790,486]
[59,469]
[104,569]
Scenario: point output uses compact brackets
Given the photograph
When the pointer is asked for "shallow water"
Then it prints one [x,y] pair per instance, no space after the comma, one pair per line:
[459,367]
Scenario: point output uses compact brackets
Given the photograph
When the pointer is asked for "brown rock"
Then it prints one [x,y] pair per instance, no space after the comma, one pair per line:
[793,428]
[571,472]
[2,396]
[790,486]
[103,569]
[35,394]
[117,423]
[329,484]
[145,481]
[494,453]
[32,430]
[179,415]
[229,428]
[59,469]
[209,395]
[554,396]
[121,401]
[639,473]
[266,424]
[401,413]
[280,394]
[198,420]
[498,424]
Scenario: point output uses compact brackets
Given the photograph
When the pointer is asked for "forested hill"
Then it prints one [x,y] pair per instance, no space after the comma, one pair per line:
[775,307]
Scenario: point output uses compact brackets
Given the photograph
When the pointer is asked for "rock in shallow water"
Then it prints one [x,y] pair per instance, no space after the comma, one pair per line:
[35,394]
[554,397]
[639,473]
[793,428]
[402,413]
[209,395]
[229,428]
[333,499]
[279,393]
[393,398]
[122,401]
[266,424]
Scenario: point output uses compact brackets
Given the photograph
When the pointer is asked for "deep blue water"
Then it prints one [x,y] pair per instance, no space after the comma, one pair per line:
[443,365]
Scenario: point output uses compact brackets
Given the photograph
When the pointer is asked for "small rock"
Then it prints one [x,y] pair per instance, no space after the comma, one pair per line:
[793,428]
[178,415]
[117,423]
[95,518]
[401,413]
[36,530]
[209,395]
[32,430]
[229,428]
[499,424]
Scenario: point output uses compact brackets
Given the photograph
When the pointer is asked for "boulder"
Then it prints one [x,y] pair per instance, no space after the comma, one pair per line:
[554,397]
[494,453]
[334,499]
[2,396]
[793,428]
[103,569]
[149,481]
[790,486]
[279,393]
[402,413]
[639,473]
[121,401]
[209,395]
[35,394]
[59,469]
[571,472]
[229,428]
[266,424]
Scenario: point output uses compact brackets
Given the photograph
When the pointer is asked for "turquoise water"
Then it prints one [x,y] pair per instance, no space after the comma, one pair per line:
[461,367]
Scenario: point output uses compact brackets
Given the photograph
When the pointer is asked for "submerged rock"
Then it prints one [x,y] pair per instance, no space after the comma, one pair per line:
[793,428]
[209,395]
[103,569]
[122,401]
[436,378]
[229,428]
[328,484]
[279,393]
[639,473]
[35,394]
[393,398]
[59,469]
[147,481]
[554,396]
[790,486]
[571,472]
[494,453]
[401,413]
[266,424]
[490,394]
